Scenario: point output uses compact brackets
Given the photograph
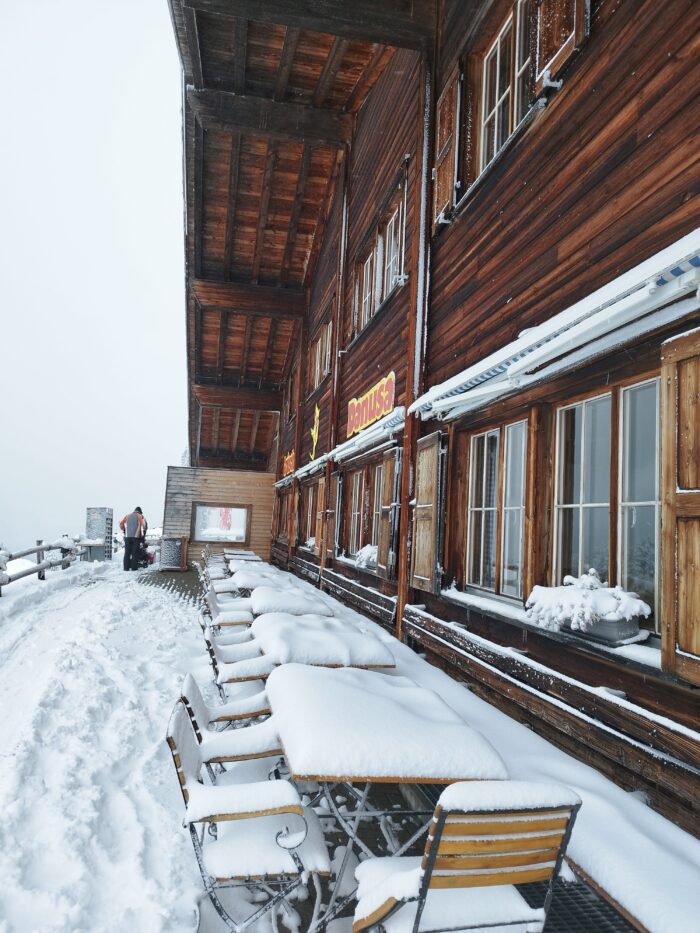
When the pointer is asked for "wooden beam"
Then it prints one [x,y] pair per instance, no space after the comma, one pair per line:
[192,33]
[375,66]
[272,333]
[221,360]
[198,196]
[254,431]
[260,300]
[401,23]
[323,212]
[263,209]
[329,71]
[246,347]
[216,428]
[296,212]
[240,49]
[233,169]
[286,60]
[234,431]
[265,399]
[260,116]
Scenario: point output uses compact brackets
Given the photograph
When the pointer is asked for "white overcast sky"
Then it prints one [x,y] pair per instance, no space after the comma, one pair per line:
[92,325]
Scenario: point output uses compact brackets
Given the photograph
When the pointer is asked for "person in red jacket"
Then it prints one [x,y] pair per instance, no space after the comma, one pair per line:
[134,527]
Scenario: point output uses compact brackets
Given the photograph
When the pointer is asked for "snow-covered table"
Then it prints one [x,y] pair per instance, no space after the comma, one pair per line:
[362,726]
[319,640]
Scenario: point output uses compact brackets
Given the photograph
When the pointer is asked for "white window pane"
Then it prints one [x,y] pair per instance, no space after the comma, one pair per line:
[491,470]
[523,33]
[511,573]
[595,541]
[477,471]
[515,462]
[490,75]
[504,61]
[640,464]
[475,548]
[638,530]
[568,542]
[489,547]
[570,454]
[596,451]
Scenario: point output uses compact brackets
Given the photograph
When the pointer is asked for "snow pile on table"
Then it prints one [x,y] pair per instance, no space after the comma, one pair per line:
[91,836]
[389,727]
[315,639]
[293,601]
[581,603]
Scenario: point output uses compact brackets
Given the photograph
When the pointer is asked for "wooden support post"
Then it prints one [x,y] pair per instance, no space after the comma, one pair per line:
[40,559]
[417,324]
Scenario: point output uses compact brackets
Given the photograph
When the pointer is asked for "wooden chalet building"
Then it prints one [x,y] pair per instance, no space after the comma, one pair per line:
[443,261]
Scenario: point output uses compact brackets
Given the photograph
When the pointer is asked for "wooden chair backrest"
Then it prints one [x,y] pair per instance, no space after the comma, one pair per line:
[184,748]
[212,655]
[197,709]
[477,849]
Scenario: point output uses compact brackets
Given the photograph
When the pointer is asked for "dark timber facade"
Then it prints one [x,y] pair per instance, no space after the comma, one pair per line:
[443,266]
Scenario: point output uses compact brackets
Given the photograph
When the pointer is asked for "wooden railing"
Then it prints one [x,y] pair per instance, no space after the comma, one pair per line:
[70,550]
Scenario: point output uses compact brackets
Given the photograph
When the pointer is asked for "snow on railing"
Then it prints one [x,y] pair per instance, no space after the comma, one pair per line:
[71,549]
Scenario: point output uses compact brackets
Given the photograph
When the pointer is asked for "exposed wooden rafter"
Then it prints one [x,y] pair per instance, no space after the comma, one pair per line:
[287,59]
[264,399]
[227,112]
[330,69]
[297,205]
[246,348]
[234,166]
[234,431]
[264,207]
[254,300]
[390,22]
[240,50]
[254,431]
[193,48]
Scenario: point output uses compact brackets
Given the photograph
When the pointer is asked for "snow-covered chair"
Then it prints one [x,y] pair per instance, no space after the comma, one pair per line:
[227,611]
[226,635]
[486,837]
[229,668]
[241,710]
[260,836]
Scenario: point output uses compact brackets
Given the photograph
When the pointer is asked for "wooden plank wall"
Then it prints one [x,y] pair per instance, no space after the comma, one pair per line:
[186,485]
[606,175]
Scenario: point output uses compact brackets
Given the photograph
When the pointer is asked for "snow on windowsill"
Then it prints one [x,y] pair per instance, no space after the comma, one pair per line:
[485,603]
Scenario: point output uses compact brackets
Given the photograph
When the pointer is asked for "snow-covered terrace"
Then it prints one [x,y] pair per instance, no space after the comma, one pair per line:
[91,662]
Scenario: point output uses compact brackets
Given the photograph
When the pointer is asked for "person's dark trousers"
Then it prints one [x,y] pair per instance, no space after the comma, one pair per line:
[131,547]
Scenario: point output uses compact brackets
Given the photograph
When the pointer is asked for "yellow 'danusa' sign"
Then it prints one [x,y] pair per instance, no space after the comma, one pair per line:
[373,405]
[289,463]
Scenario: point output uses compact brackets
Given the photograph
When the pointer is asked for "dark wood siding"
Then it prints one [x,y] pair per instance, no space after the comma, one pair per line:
[607,175]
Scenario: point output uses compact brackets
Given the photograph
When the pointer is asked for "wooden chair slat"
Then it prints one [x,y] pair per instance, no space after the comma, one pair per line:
[366,922]
[503,827]
[449,863]
[498,844]
[527,876]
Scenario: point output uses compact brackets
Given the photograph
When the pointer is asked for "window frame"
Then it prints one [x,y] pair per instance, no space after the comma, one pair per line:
[320,356]
[501,429]
[215,504]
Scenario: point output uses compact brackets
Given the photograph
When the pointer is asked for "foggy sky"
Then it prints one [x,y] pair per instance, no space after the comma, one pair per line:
[92,322]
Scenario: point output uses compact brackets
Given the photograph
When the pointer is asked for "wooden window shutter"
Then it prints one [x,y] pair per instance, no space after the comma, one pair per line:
[445,149]
[467,155]
[426,524]
[320,513]
[680,506]
[331,513]
[295,522]
[391,481]
[560,28]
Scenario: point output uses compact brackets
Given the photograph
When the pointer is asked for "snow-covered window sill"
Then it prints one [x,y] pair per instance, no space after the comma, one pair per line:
[485,604]
[350,562]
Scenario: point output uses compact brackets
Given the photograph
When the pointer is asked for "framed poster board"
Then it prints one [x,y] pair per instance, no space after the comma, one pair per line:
[173,553]
[221,523]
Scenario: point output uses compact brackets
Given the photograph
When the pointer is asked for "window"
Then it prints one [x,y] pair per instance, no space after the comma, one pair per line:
[378,472]
[640,505]
[309,516]
[505,82]
[282,516]
[381,266]
[320,356]
[582,497]
[496,510]
[561,27]
[356,503]
[220,523]
[621,544]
